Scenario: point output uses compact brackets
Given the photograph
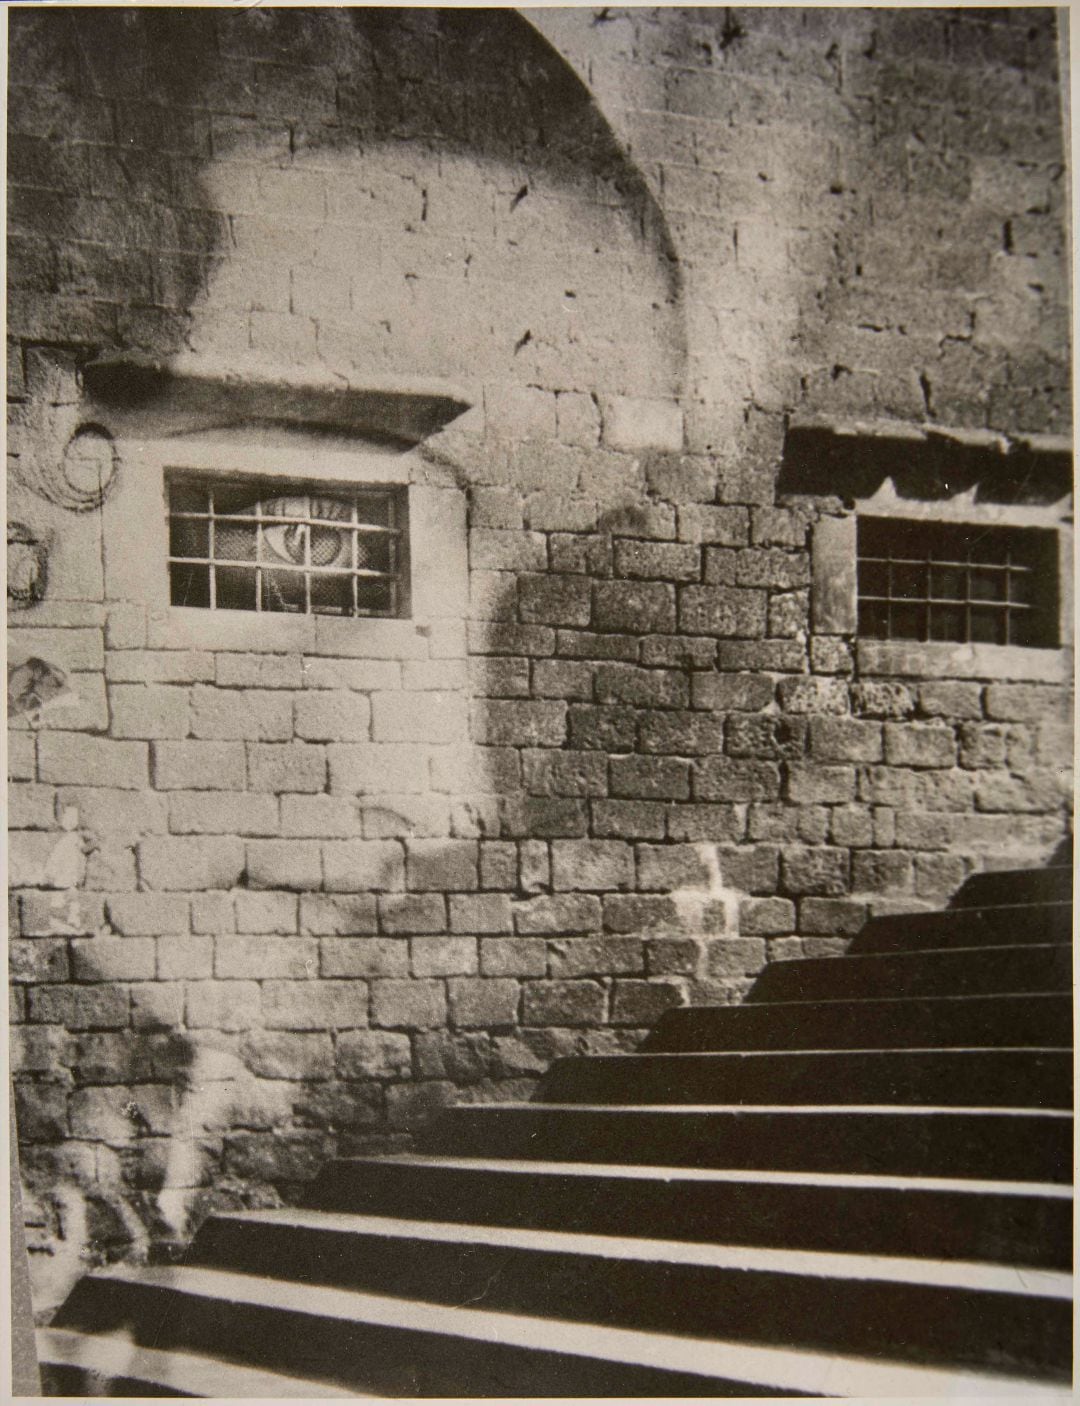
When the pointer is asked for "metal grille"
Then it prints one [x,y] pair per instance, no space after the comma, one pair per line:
[273,546]
[958,582]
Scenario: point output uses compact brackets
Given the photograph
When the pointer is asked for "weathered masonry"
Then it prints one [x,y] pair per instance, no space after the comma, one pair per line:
[517,522]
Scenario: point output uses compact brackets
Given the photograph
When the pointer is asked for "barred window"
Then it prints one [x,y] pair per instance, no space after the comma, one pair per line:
[267,545]
[959,582]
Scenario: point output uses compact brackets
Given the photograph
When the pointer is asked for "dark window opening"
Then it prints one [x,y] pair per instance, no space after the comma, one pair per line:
[963,583]
[284,547]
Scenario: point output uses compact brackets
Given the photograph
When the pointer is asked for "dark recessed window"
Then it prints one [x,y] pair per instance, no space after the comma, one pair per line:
[286,547]
[959,582]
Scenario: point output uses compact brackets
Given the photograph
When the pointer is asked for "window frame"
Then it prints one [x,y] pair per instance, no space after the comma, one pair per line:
[834,592]
[136,570]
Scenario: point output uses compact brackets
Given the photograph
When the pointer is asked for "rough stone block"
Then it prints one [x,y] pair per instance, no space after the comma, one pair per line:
[667,867]
[290,766]
[141,711]
[650,778]
[494,550]
[715,526]
[283,863]
[596,956]
[486,1003]
[222,1005]
[258,715]
[266,913]
[513,956]
[558,913]
[853,825]
[813,784]
[554,599]
[363,956]
[881,871]
[748,693]
[112,958]
[415,1004]
[146,914]
[375,768]
[177,863]
[845,740]
[212,913]
[628,820]
[818,871]
[480,912]
[185,958]
[655,688]
[1025,703]
[287,958]
[43,959]
[642,1003]
[635,423]
[636,606]
[101,1007]
[722,779]
[373,1054]
[563,1003]
[222,813]
[412,912]
[319,817]
[682,733]
[919,745]
[259,671]
[199,766]
[766,917]
[324,716]
[436,718]
[719,610]
[519,723]
[657,561]
[735,956]
[877,699]
[814,695]
[314,1005]
[74,759]
[442,864]
[278,1054]
[444,956]
[325,915]
[591,864]
[362,866]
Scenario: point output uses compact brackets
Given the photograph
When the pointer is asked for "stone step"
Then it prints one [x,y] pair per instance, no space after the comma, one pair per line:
[1050,885]
[855,1303]
[1027,1223]
[1035,1019]
[1012,1144]
[81,1364]
[972,1078]
[967,927]
[961,971]
[391,1346]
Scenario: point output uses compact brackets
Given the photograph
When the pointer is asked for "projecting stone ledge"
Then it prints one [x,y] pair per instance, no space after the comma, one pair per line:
[190,393]
[852,458]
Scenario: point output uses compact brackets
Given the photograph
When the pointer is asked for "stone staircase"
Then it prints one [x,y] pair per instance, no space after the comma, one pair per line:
[858,1183]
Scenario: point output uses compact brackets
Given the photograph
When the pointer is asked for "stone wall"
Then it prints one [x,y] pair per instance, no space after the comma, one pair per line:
[273,903]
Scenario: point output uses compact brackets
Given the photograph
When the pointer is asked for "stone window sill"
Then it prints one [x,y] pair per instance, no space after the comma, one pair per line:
[900,659]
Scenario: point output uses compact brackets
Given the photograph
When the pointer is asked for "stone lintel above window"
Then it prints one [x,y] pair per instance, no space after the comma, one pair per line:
[852,460]
[187,394]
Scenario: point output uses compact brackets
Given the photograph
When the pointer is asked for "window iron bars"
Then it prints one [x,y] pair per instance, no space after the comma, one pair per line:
[272,547]
[962,583]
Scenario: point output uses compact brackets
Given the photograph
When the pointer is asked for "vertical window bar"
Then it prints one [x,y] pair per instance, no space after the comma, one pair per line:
[211,547]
